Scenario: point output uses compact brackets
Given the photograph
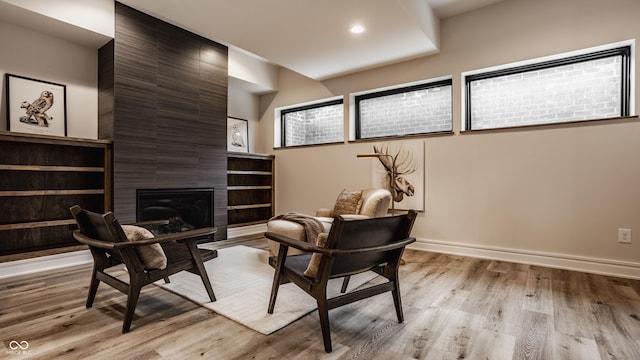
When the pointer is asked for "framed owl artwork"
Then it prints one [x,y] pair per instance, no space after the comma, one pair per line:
[36,106]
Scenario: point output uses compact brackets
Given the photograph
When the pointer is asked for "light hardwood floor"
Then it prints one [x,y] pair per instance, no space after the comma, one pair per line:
[455,308]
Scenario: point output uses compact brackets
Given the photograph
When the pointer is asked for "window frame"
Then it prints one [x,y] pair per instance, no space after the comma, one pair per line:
[624,49]
[301,107]
[399,89]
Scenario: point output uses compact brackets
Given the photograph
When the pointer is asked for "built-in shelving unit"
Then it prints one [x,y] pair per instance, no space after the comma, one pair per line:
[40,178]
[250,188]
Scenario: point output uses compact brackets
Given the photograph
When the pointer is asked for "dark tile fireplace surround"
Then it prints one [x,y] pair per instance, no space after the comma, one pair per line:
[163,103]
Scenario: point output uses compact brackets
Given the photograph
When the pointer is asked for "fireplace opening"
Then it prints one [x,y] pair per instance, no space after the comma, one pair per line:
[185,209]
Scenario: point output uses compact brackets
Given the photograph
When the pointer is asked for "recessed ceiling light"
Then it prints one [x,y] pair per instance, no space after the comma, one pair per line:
[357,29]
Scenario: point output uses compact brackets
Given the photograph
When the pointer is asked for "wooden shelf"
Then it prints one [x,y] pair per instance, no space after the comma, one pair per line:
[54,140]
[248,172]
[41,177]
[251,206]
[248,223]
[37,224]
[50,192]
[250,188]
[51,168]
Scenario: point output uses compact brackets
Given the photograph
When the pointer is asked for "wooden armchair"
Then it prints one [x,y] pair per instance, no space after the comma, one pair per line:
[352,247]
[109,247]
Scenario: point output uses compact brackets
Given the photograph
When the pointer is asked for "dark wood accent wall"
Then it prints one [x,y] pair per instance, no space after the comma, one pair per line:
[167,116]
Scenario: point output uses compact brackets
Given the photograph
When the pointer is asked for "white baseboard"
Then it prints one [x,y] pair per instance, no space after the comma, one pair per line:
[600,266]
[57,261]
[44,263]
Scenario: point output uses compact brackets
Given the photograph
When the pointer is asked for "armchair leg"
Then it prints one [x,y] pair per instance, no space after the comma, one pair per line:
[100,263]
[195,254]
[132,301]
[93,289]
[207,285]
[282,256]
[345,284]
[396,299]
[323,313]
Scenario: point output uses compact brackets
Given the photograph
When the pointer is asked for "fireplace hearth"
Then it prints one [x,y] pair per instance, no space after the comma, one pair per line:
[185,209]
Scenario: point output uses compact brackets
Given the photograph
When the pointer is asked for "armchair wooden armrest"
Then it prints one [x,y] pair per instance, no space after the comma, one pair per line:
[305,246]
[381,248]
[82,238]
[180,236]
[185,235]
[300,245]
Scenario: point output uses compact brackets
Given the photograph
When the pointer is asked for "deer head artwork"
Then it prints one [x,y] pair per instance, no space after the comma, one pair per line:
[397,165]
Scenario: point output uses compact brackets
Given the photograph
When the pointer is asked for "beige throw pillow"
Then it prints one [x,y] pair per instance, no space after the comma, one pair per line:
[348,202]
[152,256]
[312,268]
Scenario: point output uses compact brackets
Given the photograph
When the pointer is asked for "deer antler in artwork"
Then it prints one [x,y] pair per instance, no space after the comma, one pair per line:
[397,165]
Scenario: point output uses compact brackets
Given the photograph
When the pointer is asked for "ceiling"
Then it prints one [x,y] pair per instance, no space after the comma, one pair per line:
[312,37]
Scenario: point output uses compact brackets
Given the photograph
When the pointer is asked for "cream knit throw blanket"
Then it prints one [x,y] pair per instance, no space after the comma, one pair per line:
[312,226]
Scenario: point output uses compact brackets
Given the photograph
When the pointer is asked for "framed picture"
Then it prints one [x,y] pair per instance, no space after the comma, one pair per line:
[36,106]
[237,135]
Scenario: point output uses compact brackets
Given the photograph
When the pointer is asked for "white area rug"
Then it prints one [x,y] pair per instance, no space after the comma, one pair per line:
[241,278]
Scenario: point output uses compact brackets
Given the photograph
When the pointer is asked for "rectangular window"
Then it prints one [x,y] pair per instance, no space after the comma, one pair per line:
[593,85]
[318,123]
[423,108]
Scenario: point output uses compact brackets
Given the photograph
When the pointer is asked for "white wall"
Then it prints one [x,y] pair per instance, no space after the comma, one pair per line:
[248,76]
[243,104]
[39,56]
[256,73]
[553,196]
[90,15]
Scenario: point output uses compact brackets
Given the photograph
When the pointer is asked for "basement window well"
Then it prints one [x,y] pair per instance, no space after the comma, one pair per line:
[320,122]
[590,84]
[408,109]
